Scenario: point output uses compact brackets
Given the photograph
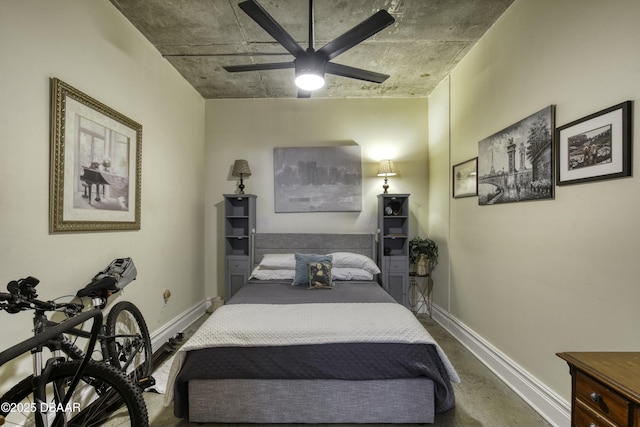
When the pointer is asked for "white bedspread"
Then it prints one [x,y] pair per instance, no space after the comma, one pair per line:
[298,324]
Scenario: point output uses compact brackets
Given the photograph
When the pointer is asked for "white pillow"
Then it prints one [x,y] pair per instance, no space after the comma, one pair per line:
[351,260]
[346,273]
[266,274]
[278,262]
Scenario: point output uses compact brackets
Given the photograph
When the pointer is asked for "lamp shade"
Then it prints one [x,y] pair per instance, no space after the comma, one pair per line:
[386,168]
[241,168]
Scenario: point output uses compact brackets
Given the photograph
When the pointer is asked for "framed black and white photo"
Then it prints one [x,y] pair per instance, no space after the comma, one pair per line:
[95,164]
[595,147]
[318,179]
[516,164]
[465,179]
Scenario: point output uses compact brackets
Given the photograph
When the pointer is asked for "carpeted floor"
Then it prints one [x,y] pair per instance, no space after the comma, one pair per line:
[482,400]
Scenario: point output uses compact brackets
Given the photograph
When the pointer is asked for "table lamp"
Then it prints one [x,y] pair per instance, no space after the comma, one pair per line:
[386,169]
[241,169]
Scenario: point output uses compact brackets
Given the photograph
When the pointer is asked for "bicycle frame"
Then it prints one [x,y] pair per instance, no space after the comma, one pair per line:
[104,342]
[48,336]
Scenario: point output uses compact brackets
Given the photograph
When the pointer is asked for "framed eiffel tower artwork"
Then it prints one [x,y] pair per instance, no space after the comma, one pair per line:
[516,164]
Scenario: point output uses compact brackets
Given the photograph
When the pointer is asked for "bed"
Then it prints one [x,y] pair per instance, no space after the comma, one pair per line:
[279,353]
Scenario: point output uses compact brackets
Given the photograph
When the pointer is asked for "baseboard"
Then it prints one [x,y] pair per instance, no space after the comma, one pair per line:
[177,324]
[541,398]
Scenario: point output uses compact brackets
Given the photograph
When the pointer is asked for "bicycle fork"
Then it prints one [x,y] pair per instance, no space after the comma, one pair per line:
[40,379]
[61,392]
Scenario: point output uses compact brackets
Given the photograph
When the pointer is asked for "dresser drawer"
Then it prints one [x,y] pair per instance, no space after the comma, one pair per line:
[237,264]
[587,418]
[398,265]
[601,400]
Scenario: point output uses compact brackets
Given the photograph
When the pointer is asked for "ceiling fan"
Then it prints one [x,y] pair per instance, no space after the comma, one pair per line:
[310,65]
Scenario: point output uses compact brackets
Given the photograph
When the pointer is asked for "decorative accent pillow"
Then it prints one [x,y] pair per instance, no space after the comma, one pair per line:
[302,266]
[278,262]
[320,275]
[351,260]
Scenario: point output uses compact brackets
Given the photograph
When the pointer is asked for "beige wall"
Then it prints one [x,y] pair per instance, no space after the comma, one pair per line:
[537,278]
[531,279]
[250,129]
[89,45]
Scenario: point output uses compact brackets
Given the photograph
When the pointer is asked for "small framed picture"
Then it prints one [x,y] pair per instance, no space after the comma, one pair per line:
[595,147]
[465,179]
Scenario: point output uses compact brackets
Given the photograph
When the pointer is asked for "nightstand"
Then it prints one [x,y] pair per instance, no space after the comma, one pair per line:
[605,388]
[393,245]
[239,228]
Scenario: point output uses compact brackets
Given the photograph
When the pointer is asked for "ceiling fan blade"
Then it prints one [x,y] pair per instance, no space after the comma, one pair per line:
[304,93]
[259,67]
[367,28]
[205,55]
[355,73]
[262,18]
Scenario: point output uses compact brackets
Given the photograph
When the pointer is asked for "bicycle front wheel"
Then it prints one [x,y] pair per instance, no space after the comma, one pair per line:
[103,397]
[129,341]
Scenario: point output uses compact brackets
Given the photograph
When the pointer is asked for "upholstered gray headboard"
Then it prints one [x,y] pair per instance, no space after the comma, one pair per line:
[318,243]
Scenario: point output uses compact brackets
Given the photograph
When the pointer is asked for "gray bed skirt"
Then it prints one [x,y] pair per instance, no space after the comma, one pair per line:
[408,400]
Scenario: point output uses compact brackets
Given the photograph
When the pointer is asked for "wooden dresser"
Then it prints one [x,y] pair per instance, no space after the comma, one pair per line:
[605,388]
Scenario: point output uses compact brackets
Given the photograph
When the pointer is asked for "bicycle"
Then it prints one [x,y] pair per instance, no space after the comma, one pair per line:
[60,392]
[124,339]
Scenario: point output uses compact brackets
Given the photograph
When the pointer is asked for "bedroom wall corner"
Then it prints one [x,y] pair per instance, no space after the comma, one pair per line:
[440,189]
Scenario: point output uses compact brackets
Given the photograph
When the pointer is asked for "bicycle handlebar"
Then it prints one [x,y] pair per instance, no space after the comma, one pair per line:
[22,296]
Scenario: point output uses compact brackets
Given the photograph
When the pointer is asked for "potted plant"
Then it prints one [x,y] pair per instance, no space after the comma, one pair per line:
[423,255]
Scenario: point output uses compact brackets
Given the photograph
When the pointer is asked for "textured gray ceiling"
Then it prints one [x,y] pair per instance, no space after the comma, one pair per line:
[427,40]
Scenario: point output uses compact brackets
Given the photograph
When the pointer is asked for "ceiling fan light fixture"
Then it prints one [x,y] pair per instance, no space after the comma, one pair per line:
[309,72]
[311,65]
[309,81]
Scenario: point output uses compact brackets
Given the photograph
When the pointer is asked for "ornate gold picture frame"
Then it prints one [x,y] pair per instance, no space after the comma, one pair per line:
[96,160]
